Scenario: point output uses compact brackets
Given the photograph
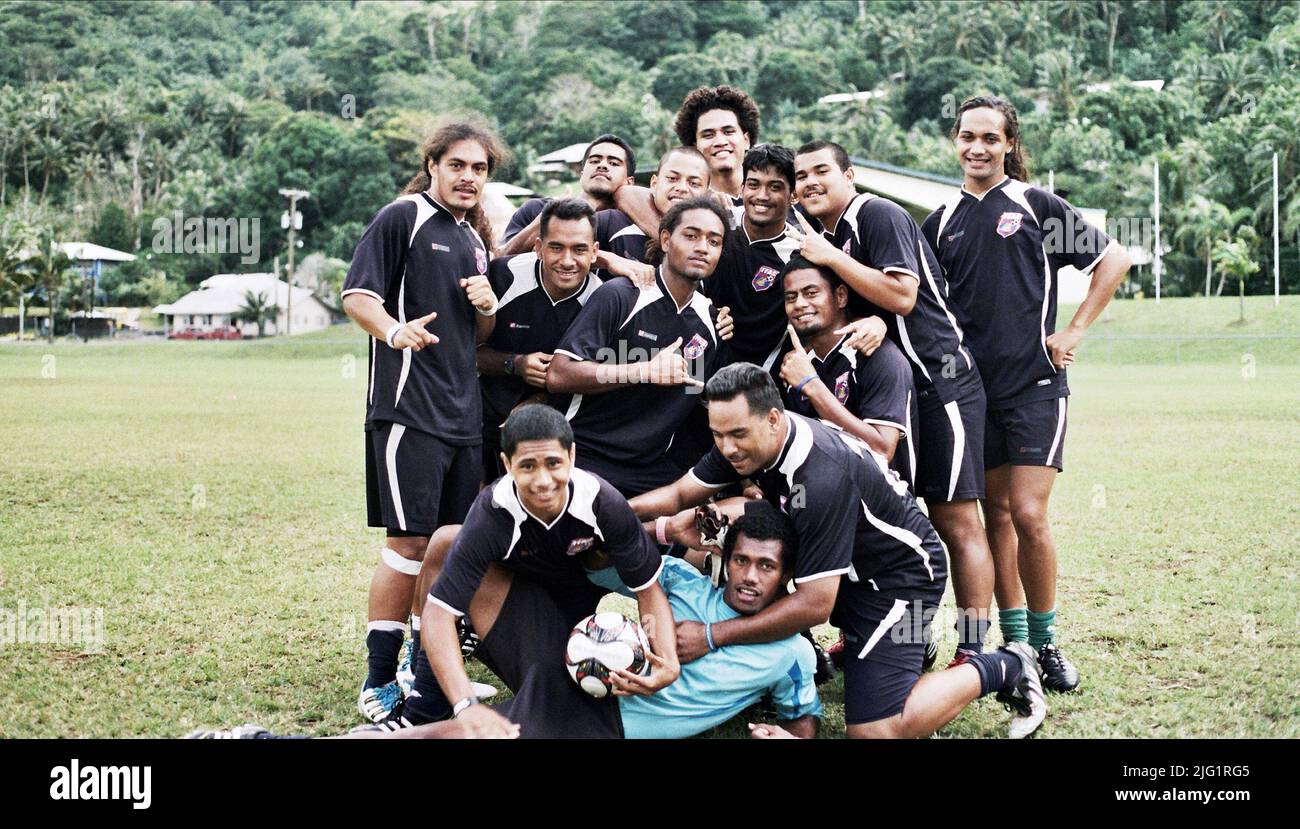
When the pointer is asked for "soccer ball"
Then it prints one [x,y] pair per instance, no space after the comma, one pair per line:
[601,643]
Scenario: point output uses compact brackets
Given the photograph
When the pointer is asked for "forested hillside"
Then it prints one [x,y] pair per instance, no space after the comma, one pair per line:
[116,113]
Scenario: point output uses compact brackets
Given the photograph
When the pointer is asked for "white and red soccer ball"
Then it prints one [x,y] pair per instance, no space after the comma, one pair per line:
[601,643]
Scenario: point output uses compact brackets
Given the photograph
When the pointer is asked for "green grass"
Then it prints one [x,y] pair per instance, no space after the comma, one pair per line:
[208,497]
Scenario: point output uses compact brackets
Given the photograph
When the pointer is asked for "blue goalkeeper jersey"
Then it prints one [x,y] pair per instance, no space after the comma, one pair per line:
[721,684]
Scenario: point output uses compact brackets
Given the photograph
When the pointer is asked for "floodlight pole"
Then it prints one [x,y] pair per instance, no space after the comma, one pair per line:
[1277,260]
[293,196]
[1158,265]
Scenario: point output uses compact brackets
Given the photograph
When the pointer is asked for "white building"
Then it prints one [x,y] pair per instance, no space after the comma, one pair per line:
[218,298]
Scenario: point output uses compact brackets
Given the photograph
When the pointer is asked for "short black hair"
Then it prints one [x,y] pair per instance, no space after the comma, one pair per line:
[798,263]
[708,98]
[684,150]
[566,210]
[748,379]
[840,155]
[764,522]
[535,422]
[770,157]
[654,254]
[611,138]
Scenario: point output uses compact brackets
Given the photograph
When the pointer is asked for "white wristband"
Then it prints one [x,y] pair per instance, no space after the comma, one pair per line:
[388,338]
[489,312]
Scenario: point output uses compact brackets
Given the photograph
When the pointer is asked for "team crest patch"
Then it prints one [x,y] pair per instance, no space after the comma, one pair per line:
[580,545]
[842,389]
[1009,223]
[695,348]
[764,277]
[480,259]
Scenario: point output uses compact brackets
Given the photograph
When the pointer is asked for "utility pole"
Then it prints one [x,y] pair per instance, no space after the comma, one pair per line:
[291,221]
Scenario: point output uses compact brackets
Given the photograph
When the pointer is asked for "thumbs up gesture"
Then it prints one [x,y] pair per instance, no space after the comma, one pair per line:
[669,368]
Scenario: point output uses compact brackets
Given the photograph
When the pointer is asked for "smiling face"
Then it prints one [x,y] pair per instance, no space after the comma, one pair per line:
[755,577]
[982,145]
[719,138]
[767,198]
[605,170]
[681,176]
[693,248]
[748,441]
[567,254]
[540,469]
[810,305]
[460,175]
[823,188]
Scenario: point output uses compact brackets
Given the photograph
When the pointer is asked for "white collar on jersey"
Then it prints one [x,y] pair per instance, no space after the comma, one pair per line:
[981,196]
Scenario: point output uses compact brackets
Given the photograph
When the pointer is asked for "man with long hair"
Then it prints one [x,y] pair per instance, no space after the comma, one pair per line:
[418,287]
[1001,243]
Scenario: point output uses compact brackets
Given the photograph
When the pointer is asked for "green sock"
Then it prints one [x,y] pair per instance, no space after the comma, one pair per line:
[1042,628]
[1014,625]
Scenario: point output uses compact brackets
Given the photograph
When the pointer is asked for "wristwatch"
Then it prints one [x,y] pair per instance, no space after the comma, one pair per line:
[463,704]
[509,364]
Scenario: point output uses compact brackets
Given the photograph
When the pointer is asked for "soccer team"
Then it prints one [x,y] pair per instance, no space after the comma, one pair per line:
[752,343]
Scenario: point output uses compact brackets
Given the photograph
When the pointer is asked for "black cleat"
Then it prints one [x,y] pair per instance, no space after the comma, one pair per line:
[825,667]
[1058,674]
[931,655]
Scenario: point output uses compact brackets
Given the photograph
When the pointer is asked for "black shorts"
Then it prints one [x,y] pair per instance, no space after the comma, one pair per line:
[491,450]
[1032,434]
[884,647]
[525,648]
[950,448]
[416,483]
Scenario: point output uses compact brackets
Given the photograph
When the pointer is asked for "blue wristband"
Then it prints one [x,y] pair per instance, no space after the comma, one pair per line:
[805,381]
[708,635]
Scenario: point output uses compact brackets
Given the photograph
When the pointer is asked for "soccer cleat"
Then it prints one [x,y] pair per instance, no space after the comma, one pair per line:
[247,731]
[468,638]
[836,652]
[961,657]
[1025,699]
[395,721]
[377,703]
[931,655]
[405,673]
[1058,674]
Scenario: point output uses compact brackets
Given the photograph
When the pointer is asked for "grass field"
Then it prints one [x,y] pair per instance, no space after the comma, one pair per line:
[207,497]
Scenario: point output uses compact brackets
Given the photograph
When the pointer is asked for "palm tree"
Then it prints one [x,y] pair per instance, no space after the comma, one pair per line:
[50,266]
[1203,223]
[257,309]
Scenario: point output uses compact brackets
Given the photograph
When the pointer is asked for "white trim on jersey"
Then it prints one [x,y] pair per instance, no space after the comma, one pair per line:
[574,404]
[800,445]
[907,347]
[958,445]
[902,534]
[1060,428]
[523,270]
[980,196]
[582,505]
[653,579]
[907,435]
[690,473]
[828,574]
[365,291]
[1088,270]
[630,230]
[647,296]
[947,208]
[938,297]
[570,355]
[390,462]
[423,213]
[453,611]
[893,617]
[406,352]
[1016,191]
[785,248]
[701,305]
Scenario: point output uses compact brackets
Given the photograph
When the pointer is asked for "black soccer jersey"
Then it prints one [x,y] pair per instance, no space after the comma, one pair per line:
[854,517]
[748,281]
[621,323]
[618,234]
[412,258]
[528,320]
[523,217]
[596,529]
[881,235]
[1002,253]
[876,389]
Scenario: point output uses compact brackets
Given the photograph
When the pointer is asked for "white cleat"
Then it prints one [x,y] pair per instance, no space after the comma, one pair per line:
[1025,700]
